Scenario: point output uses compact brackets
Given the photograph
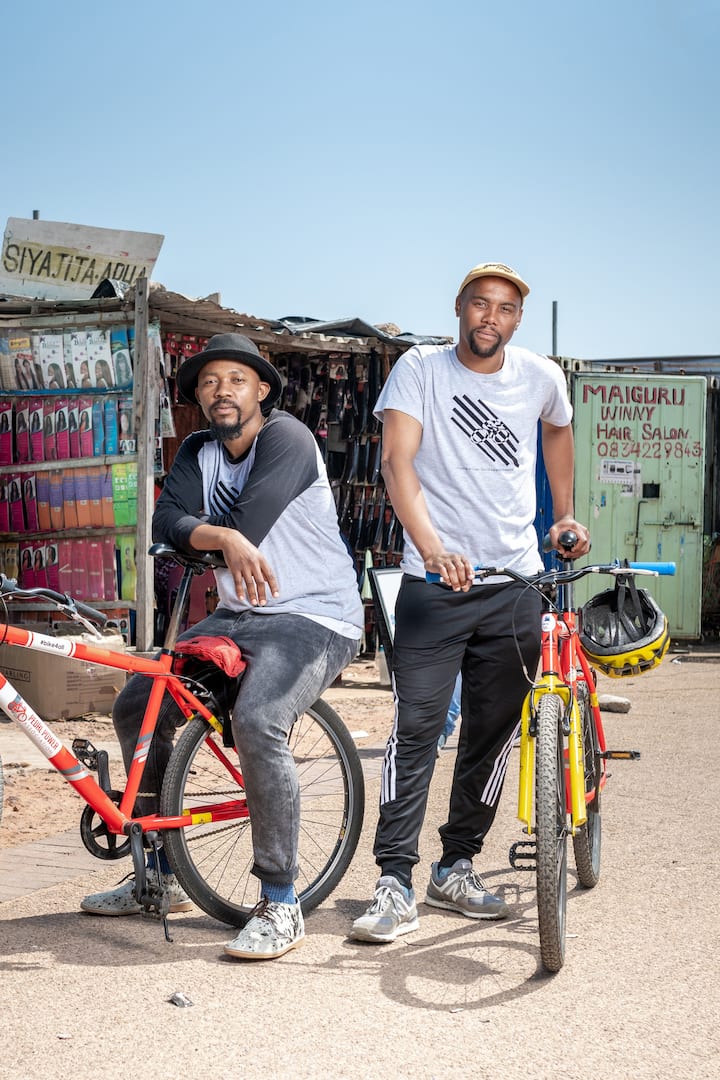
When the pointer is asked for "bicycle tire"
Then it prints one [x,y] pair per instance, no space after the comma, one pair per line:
[551,832]
[212,861]
[587,841]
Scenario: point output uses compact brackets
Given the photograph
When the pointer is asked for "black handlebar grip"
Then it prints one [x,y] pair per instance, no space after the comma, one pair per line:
[567,540]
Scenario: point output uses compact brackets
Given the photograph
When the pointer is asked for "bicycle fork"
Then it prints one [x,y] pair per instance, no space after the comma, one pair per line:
[522,853]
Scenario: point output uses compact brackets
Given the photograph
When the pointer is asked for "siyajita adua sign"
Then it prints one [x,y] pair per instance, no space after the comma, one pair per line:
[54,260]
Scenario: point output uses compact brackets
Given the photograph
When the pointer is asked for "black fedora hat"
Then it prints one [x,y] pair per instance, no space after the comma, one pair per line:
[228,347]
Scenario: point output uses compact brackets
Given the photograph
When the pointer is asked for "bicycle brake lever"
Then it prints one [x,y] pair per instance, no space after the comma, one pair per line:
[73,613]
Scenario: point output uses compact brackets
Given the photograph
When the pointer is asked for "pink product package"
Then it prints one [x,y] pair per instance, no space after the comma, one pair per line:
[22,430]
[96,577]
[49,439]
[36,430]
[85,426]
[30,502]
[17,515]
[39,564]
[73,432]
[4,505]
[62,432]
[27,570]
[65,574]
[52,565]
[6,433]
[79,556]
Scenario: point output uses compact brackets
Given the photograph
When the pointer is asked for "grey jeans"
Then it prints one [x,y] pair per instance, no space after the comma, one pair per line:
[291,661]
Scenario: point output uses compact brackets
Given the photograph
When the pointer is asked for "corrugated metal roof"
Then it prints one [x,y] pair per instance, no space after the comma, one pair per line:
[205,316]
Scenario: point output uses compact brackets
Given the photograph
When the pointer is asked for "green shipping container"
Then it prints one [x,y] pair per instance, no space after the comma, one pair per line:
[639,481]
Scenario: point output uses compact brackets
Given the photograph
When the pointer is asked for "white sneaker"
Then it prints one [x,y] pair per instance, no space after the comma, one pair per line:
[463,890]
[272,930]
[390,914]
[120,901]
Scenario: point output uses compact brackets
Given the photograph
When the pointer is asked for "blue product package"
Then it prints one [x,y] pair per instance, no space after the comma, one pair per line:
[111,425]
[98,428]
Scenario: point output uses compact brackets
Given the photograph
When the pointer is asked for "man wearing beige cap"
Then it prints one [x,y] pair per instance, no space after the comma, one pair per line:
[459,454]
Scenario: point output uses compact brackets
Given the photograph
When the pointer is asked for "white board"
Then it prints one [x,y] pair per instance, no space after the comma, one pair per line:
[54,260]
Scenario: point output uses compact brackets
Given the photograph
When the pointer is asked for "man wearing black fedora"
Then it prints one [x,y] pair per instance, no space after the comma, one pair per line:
[253,486]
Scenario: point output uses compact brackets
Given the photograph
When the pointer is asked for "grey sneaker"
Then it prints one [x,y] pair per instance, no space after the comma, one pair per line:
[271,930]
[463,890]
[120,901]
[390,914]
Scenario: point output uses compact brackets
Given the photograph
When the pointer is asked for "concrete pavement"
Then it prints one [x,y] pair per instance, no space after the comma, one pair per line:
[638,997]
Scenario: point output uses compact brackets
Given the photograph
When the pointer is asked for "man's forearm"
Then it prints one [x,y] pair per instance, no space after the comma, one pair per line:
[408,502]
[559,458]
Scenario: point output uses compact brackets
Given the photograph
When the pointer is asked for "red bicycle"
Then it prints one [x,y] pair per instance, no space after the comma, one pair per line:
[204,821]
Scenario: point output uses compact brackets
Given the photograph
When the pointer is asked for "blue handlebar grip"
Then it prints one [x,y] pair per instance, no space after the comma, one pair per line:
[433,579]
[665,569]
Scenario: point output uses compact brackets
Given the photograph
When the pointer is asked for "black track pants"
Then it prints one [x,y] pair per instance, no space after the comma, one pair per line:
[484,633]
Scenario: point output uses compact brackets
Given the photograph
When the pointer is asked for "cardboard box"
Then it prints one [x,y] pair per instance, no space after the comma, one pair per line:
[58,688]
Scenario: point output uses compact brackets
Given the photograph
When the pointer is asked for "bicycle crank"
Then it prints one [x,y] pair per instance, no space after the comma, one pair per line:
[96,836]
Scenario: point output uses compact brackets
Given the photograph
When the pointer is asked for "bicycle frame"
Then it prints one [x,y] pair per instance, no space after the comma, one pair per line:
[118,818]
[563,664]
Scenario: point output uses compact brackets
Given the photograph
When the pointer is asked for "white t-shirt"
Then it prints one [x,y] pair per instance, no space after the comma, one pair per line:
[477,456]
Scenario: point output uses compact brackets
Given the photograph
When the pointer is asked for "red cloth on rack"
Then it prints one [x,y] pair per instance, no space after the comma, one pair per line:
[221,651]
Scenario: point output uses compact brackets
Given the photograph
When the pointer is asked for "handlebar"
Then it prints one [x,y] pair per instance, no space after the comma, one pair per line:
[647,569]
[9,587]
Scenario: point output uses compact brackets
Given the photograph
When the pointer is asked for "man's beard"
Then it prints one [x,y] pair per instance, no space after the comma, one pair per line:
[483,351]
[227,432]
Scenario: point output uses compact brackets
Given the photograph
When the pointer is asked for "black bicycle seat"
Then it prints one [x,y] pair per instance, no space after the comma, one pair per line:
[198,562]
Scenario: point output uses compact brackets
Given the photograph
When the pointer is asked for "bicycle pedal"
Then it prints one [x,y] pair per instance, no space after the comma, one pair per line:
[86,753]
[620,755]
[155,902]
[522,855]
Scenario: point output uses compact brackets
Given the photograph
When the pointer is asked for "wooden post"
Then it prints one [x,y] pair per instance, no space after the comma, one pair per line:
[146,409]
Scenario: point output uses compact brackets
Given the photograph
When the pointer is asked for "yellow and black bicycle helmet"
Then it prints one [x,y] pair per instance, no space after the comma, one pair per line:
[623,631]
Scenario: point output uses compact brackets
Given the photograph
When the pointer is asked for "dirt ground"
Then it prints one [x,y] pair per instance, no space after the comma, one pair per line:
[38,803]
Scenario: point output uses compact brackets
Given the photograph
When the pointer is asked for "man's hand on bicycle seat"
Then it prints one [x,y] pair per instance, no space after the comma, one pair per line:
[568,524]
[252,573]
[454,570]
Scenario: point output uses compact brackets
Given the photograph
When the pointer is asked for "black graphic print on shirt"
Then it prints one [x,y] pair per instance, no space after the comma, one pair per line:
[223,498]
[484,428]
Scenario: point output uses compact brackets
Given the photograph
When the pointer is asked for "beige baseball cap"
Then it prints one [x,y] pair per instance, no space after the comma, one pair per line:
[495,270]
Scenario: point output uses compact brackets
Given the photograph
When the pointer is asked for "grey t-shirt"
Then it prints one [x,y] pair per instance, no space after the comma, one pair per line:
[278,496]
[476,461]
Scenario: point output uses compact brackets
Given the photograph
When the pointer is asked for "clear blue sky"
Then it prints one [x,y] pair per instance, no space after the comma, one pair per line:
[336,159]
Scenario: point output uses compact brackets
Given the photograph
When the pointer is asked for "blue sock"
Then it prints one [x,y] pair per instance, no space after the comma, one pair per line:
[443,871]
[164,864]
[279,894]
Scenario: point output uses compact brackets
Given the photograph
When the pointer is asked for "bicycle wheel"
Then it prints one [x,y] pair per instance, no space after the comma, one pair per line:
[587,839]
[551,832]
[212,860]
